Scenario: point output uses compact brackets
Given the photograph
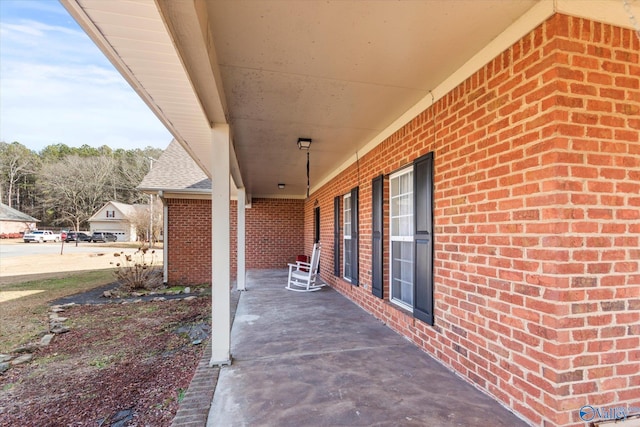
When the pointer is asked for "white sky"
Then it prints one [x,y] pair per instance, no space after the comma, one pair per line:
[57,87]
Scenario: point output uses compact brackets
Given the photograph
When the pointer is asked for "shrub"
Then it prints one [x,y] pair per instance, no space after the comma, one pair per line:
[137,271]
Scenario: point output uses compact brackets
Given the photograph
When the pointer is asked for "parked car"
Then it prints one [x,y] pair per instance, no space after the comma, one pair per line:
[103,237]
[72,236]
[41,236]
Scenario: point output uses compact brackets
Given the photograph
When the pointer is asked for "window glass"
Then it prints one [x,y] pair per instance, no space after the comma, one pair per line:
[401,237]
[346,201]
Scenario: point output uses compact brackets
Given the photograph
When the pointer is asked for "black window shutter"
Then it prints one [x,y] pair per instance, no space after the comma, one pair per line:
[377,286]
[336,236]
[423,238]
[354,237]
[316,225]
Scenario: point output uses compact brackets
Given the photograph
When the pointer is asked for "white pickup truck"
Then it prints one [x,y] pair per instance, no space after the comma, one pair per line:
[40,236]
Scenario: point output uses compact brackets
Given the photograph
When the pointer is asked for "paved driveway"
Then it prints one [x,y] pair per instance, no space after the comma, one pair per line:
[18,259]
[17,248]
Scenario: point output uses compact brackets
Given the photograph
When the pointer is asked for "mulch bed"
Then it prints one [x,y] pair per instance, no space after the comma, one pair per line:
[120,365]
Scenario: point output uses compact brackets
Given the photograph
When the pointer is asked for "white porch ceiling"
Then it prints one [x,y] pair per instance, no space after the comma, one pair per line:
[339,72]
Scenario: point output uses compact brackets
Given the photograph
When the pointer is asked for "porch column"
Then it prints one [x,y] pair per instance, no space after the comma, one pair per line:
[165,239]
[220,248]
[242,196]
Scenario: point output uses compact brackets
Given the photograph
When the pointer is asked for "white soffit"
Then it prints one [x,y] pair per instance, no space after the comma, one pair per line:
[134,38]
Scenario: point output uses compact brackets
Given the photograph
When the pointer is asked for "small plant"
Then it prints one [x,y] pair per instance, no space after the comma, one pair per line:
[101,362]
[181,393]
[137,271]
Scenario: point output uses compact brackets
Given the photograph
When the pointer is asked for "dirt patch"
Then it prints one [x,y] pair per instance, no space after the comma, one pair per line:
[120,362]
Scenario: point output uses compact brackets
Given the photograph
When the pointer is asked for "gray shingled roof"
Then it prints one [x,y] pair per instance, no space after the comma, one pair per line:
[9,214]
[175,170]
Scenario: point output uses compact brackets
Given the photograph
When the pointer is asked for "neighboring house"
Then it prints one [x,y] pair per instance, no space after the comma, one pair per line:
[13,222]
[119,219]
[475,172]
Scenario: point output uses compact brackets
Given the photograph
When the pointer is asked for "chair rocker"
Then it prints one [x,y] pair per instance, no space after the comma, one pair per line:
[303,275]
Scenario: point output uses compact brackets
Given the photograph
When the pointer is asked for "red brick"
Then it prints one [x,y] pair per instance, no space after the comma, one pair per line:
[276,223]
[536,212]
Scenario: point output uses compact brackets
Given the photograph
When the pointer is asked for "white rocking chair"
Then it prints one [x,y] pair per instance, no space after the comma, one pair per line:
[303,275]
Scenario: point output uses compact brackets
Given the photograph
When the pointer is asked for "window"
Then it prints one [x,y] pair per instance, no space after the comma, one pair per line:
[346,203]
[401,237]
[350,236]
[111,214]
[411,238]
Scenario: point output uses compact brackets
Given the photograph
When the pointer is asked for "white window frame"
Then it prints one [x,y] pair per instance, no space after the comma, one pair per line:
[346,233]
[407,237]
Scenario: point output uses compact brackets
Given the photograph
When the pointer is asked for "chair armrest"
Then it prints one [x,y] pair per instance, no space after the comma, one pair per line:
[299,266]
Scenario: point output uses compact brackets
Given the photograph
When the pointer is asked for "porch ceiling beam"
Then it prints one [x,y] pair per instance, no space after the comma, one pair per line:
[190,28]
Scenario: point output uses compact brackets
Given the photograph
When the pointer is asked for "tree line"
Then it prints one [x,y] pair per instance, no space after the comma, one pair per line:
[64,186]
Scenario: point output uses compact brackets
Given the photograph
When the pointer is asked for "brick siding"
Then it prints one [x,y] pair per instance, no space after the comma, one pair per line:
[274,236]
[537,223]
[275,232]
[188,243]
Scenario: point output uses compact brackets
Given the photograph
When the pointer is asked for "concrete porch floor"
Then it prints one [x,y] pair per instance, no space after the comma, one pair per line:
[317,359]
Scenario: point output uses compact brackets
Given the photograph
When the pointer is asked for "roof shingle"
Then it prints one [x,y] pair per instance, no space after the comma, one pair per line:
[9,214]
[175,170]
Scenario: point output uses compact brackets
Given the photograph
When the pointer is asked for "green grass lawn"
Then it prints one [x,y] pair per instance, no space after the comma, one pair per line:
[23,319]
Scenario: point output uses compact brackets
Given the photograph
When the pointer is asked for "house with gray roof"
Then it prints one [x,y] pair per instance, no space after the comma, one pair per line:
[13,222]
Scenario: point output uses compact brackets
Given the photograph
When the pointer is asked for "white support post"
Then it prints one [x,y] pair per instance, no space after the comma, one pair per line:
[241,273]
[220,248]
[165,240]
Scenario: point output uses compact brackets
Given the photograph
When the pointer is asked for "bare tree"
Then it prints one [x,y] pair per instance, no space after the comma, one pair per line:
[75,187]
[133,165]
[16,162]
[148,221]
[66,185]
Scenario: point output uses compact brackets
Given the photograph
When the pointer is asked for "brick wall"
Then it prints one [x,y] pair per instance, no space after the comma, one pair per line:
[188,243]
[275,232]
[274,236]
[537,223]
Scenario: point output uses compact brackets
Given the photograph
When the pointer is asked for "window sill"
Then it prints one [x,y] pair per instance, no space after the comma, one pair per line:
[401,308]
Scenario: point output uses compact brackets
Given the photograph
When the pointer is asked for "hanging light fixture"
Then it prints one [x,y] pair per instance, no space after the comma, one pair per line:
[281,186]
[305,144]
